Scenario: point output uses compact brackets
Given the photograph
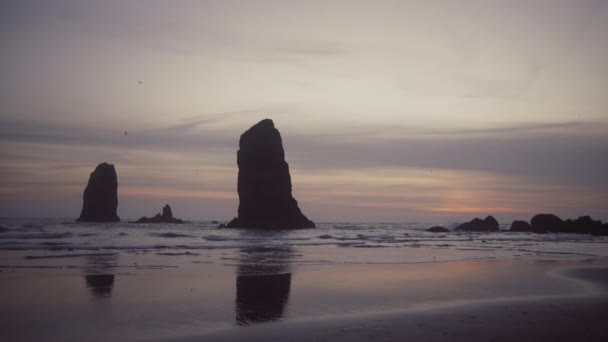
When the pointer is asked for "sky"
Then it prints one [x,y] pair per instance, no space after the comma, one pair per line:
[390,111]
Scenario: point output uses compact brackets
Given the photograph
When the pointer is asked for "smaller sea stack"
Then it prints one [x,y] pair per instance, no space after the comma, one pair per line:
[520,226]
[165,217]
[100,198]
[489,224]
[544,223]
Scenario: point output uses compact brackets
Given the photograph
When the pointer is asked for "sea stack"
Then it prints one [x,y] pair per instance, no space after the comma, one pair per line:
[520,226]
[264,183]
[100,199]
[489,224]
[165,217]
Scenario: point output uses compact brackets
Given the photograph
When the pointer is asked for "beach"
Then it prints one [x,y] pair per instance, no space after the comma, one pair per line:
[63,281]
[563,301]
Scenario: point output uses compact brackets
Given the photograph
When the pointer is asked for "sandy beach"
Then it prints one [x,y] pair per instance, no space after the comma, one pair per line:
[441,301]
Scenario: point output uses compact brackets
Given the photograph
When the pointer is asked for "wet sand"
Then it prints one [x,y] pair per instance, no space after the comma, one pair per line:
[578,316]
[549,319]
[472,300]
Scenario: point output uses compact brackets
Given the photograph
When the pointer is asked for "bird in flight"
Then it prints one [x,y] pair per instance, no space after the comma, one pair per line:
[125,132]
[140,82]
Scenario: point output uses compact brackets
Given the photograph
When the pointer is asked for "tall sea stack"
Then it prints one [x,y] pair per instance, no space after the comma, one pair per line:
[264,184]
[100,199]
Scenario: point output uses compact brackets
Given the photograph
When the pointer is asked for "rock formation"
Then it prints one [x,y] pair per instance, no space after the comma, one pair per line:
[264,183]
[438,229]
[488,224]
[100,199]
[582,225]
[601,230]
[165,217]
[544,223]
[520,226]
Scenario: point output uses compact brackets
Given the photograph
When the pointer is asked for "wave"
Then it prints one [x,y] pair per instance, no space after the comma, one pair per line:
[170,235]
[36,236]
[67,255]
[177,254]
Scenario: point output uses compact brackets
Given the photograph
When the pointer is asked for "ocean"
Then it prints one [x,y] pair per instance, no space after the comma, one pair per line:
[49,245]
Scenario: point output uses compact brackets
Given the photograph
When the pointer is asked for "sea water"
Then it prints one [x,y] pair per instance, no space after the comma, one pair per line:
[60,245]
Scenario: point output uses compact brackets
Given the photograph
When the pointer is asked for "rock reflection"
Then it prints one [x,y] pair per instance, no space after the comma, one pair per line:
[100,284]
[262,285]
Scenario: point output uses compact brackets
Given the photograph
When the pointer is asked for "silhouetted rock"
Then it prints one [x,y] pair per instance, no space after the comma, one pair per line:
[166,217]
[544,223]
[215,222]
[520,226]
[438,229]
[2,229]
[100,199]
[601,230]
[583,225]
[488,224]
[264,183]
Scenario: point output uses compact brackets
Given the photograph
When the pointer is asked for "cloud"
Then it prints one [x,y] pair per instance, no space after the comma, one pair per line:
[569,152]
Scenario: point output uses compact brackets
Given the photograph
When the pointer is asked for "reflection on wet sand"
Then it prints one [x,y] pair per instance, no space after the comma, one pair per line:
[100,285]
[262,285]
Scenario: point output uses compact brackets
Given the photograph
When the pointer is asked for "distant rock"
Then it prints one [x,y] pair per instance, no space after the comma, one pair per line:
[438,229]
[489,224]
[100,199]
[264,183]
[601,230]
[215,222]
[520,226]
[544,223]
[165,217]
[582,225]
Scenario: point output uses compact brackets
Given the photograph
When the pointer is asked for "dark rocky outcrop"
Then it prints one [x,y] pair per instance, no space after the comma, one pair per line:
[165,217]
[438,229]
[582,225]
[264,183]
[544,223]
[520,226]
[601,230]
[100,199]
[489,224]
